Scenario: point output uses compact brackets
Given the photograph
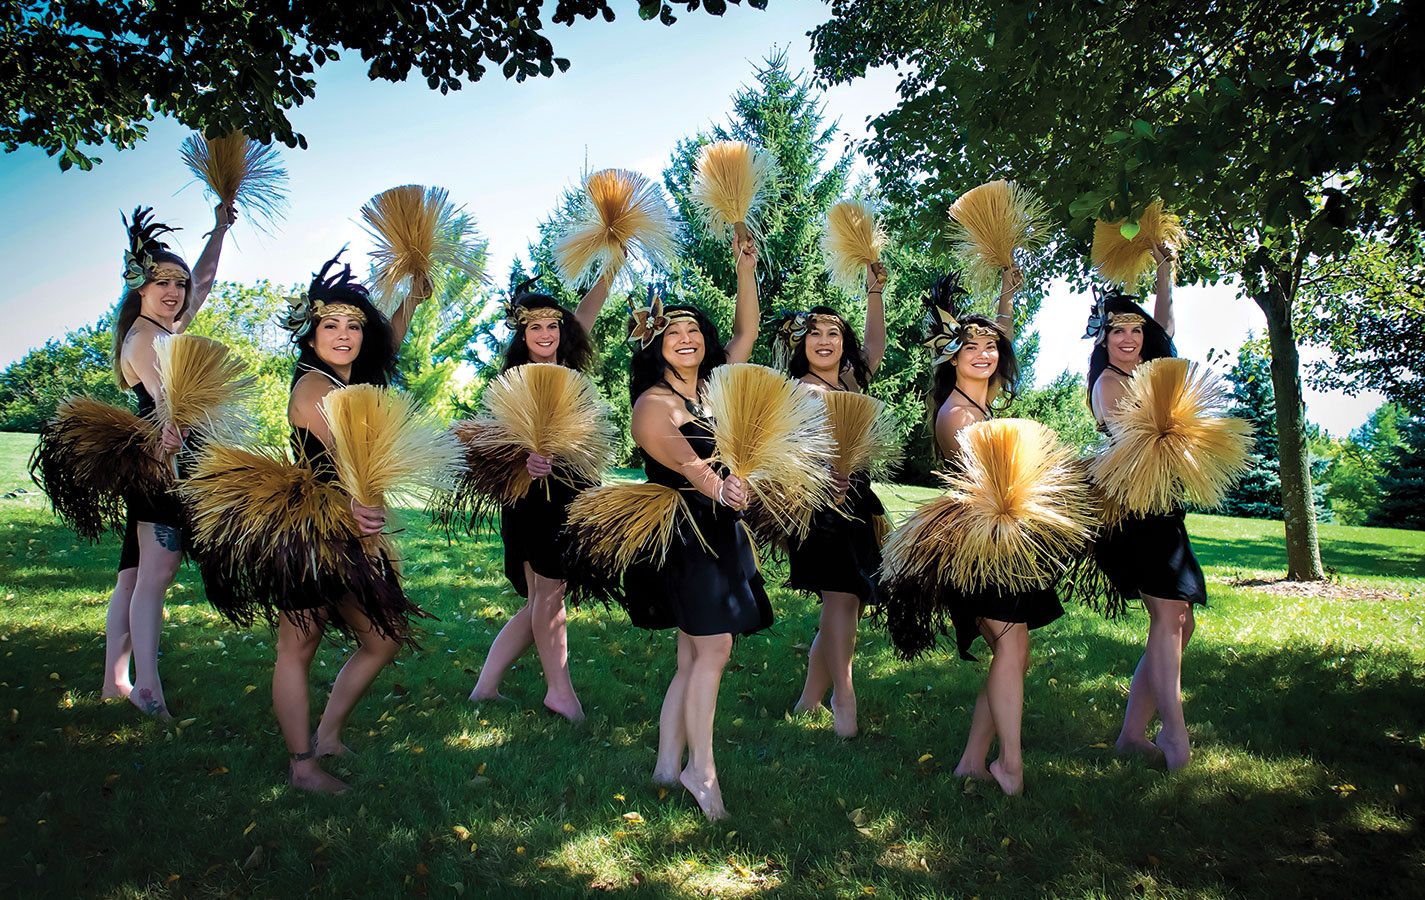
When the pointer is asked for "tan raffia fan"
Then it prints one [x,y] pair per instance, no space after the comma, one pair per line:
[732,183]
[386,449]
[621,214]
[612,527]
[419,235]
[205,386]
[989,223]
[773,434]
[853,240]
[1171,442]
[1125,261]
[863,433]
[239,172]
[539,408]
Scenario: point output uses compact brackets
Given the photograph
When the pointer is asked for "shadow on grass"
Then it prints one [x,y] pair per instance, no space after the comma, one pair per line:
[1348,557]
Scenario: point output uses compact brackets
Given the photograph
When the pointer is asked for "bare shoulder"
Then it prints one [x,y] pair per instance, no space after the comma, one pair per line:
[305,403]
[815,387]
[1107,392]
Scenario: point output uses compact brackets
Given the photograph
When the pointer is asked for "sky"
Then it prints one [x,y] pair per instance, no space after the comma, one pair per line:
[506,151]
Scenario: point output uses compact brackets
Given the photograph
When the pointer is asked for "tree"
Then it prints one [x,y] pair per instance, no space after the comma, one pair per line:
[1402,483]
[74,74]
[1259,494]
[1355,465]
[1281,134]
[32,387]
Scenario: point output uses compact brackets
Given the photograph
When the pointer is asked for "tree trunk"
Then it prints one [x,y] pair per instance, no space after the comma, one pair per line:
[1303,554]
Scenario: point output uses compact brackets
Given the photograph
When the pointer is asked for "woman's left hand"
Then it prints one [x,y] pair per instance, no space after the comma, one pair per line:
[538,466]
[745,249]
[1012,280]
[876,278]
[840,483]
[172,439]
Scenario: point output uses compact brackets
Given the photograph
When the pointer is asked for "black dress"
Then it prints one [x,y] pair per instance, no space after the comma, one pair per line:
[700,590]
[842,549]
[532,529]
[157,507]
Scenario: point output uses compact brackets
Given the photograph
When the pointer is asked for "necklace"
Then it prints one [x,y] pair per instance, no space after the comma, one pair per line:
[156,322]
[839,386]
[1120,371]
[984,412]
[693,407]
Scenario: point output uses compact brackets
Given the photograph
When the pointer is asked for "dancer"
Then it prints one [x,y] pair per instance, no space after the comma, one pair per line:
[703,580]
[1147,556]
[162,296]
[531,529]
[838,558]
[961,560]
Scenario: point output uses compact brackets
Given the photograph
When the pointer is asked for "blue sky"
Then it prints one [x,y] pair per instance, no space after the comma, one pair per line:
[504,150]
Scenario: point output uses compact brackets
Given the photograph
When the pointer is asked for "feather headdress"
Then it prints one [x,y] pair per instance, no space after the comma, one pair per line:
[419,236]
[326,290]
[1123,255]
[944,335]
[853,241]
[1171,442]
[143,244]
[773,434]
[990,222]
[239,171]
[732,183]
[621,214]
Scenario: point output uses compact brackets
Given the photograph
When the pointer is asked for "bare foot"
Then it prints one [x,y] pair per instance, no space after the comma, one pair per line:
[568,707]
[115,691]
[329,746]
[312,778]
[970,770]
[804,708]
[1140,747]
[705,790]
[843,717]
[1012,783]
[150,705]
[664,779]
[1176,755]
[479,696]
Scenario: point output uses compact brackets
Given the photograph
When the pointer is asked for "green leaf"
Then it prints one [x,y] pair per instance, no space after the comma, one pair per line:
[1129,230]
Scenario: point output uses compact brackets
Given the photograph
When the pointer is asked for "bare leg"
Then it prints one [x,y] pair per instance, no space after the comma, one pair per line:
[1168,632]
[818,676]
[710,655]
[672,728]
[1004,691]
[373,652]
[977,745]
[291,701]
[549,622]
[1138,715]
[117,645]
[159,554]
[510,644]
[840,614]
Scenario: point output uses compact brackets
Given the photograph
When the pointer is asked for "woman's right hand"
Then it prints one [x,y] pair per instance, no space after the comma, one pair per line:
[369,519]
[733,492]
[840,483]
[538,466]
[171,439]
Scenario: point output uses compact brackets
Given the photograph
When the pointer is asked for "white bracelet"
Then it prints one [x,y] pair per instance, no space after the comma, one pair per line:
[721,482]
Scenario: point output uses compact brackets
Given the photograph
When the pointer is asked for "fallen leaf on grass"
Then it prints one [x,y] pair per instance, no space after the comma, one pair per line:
[519,851]
[111,779]
[422,870]
[480,769]
[218,770]
[857,816]
[663,793]
[1101,745]
[568,828]
[248,830]
[462,833]
[254,859]
[632,817]
[248,689]
[619,797]
[172,878]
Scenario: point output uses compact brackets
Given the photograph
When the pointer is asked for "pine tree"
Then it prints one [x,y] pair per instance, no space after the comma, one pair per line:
[1402,484]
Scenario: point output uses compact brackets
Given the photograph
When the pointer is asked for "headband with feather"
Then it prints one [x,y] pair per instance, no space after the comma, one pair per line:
[517,314]
[647,323]
[944,335]
[792,330]
[1101,321]
[324,298]
[143,232]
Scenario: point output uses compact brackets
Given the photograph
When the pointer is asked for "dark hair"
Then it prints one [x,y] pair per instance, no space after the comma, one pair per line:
[132,304]
[1156,342]
[575,349]
[648,365]
[852,356]
[1003,382]
[376,362]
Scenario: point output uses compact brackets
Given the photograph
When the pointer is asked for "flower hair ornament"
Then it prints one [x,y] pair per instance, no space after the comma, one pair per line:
[139,267]
[793,330]
[647,323]
[517,314]
[944,333]
[316,302]
[1101,322]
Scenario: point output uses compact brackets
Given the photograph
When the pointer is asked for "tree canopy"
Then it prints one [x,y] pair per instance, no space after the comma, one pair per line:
[76,74]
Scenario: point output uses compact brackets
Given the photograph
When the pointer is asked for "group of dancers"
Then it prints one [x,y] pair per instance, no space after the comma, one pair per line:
[323,561]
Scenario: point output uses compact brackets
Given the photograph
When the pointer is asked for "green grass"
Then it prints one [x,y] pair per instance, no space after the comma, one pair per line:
[1307,717]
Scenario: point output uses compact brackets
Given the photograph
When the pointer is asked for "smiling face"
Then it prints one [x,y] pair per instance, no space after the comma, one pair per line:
[824,345]
[337,340]
[977,359]
[541,337]
[163,298]
[1125,345]
[683,346]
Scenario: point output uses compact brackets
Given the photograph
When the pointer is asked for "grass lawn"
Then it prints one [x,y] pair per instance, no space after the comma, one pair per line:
[1307,715]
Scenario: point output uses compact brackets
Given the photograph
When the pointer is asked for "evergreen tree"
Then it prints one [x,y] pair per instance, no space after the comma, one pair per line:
[1258,494]
[1402,483]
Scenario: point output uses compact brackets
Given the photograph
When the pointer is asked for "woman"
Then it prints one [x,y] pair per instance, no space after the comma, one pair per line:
[342,339]
[1147,556]
[975,372]
[838,558]
[542,332]
[162,296]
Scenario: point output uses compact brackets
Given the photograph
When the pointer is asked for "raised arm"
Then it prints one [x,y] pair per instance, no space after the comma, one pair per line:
[745,316]
[206,270]
[1163,305]
[656,432]
[1011,280]
[592,302]
[401,321]
[875,330]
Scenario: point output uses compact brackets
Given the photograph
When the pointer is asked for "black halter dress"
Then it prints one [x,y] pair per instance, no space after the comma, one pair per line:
[158,508]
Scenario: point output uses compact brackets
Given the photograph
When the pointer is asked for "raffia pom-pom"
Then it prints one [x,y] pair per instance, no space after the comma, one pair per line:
[420,236]
[621,214]
[386,448]
[732,183]
[205,385]
[1126,261]
[852,241]
[239,172]
[989,223]
[863,433]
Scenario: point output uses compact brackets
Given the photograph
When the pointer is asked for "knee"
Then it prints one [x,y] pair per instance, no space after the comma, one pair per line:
[298,648]
[124,584]
[380,647]
[714,652]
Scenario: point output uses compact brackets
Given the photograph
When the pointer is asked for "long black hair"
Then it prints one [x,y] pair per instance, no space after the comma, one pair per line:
[852,356]
[1003,382]
[1156,342]
[376,363]
[575,349]
[648,366]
